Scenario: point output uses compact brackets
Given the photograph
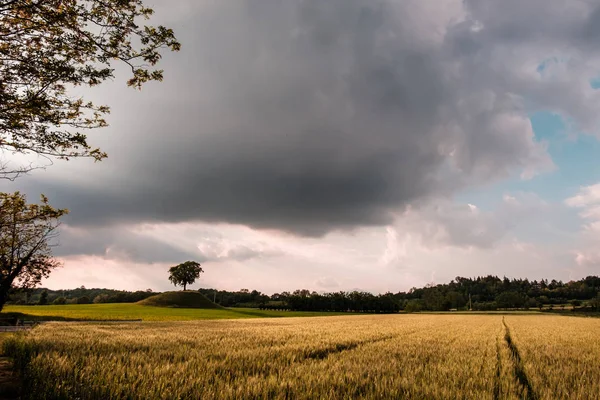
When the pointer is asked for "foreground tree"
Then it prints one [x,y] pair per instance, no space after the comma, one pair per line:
[48,46]
[185,273]
[25,249]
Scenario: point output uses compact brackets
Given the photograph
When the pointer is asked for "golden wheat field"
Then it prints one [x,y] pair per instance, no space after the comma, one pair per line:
[371,357]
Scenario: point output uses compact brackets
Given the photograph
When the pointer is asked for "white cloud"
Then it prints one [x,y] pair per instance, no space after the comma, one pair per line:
[587,196]
[588,201]
[588,259]
[444,223]
[100,272]
[327,283]
[440,240]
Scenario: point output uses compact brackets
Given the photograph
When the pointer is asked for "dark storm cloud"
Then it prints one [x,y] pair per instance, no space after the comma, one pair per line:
[310,116]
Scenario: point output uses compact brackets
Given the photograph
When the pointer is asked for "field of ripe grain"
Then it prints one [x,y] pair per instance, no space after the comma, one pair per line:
[389,356]
[560,357]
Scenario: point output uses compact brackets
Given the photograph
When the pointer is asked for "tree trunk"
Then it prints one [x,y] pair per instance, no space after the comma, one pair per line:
[4,288]
[184,285]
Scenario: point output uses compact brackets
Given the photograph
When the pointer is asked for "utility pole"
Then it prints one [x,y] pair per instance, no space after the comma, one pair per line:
[470,304]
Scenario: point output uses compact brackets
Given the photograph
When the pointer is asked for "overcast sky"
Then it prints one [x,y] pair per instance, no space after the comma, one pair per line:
[344,144]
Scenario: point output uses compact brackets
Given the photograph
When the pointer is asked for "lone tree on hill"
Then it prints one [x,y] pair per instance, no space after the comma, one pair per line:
[25,233]
[185,273]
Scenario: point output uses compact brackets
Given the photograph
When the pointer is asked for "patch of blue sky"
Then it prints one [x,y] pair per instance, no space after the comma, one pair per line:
[577,161]
[576,157]
[545,65]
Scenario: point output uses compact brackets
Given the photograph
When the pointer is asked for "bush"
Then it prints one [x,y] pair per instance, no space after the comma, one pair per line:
[531,303]
[510,300]
[59,301]
[485,306]
[413,306]
[83,300]
[43,298]
[102,298]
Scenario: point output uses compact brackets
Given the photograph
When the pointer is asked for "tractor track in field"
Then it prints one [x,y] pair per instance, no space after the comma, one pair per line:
[316,354]
[519,369]
[498,370]
[322,353]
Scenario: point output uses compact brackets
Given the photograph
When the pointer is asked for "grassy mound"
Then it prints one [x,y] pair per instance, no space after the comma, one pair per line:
[181,299]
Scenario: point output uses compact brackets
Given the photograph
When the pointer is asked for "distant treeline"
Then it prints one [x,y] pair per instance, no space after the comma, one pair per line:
[492,293]
[479,294]
[80,295]
[305,300]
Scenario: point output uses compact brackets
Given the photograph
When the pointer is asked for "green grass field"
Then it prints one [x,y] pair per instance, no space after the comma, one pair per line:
[129,311]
